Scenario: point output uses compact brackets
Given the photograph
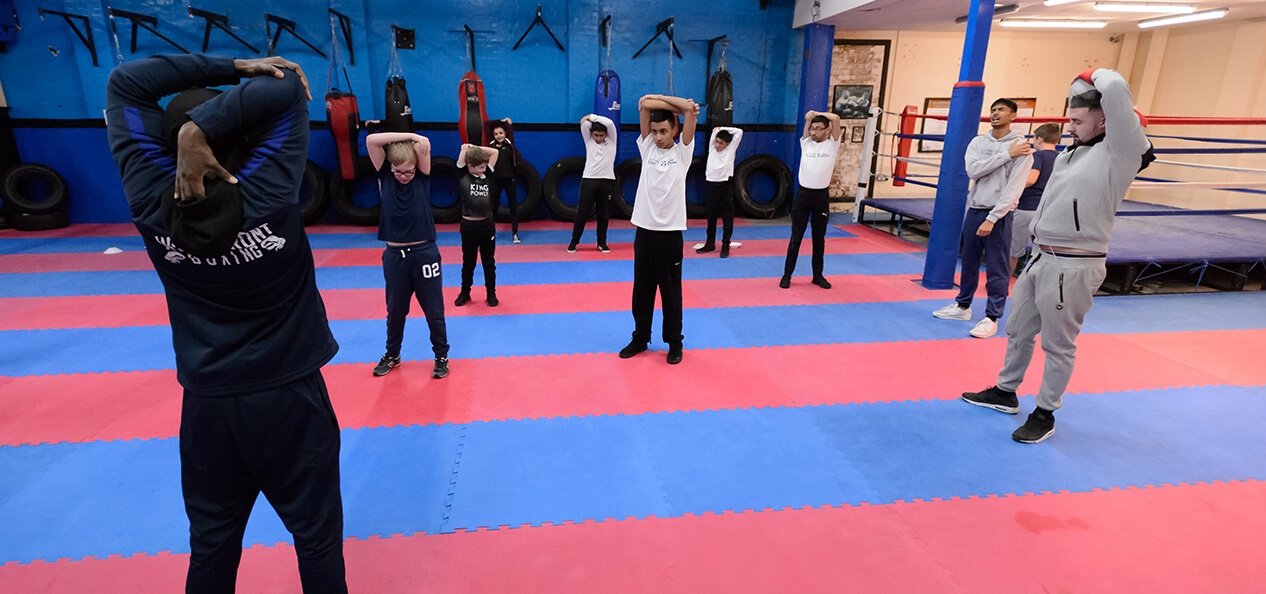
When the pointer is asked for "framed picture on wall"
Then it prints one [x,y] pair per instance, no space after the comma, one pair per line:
[852,102]
[933,106]
[858,134]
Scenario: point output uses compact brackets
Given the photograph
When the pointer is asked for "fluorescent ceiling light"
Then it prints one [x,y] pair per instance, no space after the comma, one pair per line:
[998,10]
[1207,15]
[1145,7]
[1049,24]
[1057,2]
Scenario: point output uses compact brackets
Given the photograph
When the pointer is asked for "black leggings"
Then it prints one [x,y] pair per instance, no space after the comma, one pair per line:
[595,194]
[720,199]
[815,205]
[512,199]
[479,240]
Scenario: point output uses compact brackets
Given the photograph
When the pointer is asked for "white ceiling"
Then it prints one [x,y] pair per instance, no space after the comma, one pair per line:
[939,15]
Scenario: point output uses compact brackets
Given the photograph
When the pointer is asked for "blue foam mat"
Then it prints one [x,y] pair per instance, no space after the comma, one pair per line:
[133,282]
[369,239]
[72,500]
[24,352]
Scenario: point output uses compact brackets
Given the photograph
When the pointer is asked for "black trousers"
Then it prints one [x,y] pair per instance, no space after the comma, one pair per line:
[595,194]
[282,441]
[657,265]
[411,271]
[720,201]
[812,205]
[512,199]
[479,240]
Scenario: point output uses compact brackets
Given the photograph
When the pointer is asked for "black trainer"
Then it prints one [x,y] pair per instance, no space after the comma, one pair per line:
[821,282]
[492,299]
[674,354]
[462,298]
[785,282]
[571,248]
[707,247]
[1039,426]
[441,368]
[634,348]
[995,398]
[385,365]
[725,250]
[602,247]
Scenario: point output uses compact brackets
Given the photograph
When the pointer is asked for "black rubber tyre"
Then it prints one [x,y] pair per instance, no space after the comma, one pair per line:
[450,211]
[20,198]
[341,194]
[695,180]
[629,169]
[549,186]
[314,199]
[783,186]
[39,222]
[529,200]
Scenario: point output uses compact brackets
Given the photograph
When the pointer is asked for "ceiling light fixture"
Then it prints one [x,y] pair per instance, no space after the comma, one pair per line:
[1058,2]
[1145,7]
[1049,24]
[1207,15]
[998,10]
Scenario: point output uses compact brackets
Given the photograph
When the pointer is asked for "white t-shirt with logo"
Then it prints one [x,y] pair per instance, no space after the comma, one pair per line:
[817,162]
[721,164]
[599,158]
[660,204]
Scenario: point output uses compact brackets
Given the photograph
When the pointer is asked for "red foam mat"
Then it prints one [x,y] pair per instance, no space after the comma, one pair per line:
[1187,538]
[112,311]
[109,406]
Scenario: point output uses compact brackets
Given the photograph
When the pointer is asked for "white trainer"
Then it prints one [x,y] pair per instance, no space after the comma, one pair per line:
[953,312]
[985,328]
[698,245]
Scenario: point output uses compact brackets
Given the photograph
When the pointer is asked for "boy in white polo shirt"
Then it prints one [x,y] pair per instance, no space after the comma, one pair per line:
[659,214]
[818,147]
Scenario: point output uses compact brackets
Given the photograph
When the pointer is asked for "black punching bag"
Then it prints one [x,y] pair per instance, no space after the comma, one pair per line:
[399,113]
[720,99]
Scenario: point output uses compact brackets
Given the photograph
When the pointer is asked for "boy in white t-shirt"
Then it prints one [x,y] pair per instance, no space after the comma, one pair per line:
[818,147]
[720,190]
[659,214]
[597,183]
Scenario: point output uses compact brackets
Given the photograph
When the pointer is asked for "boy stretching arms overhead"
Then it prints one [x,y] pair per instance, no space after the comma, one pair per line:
[659,214]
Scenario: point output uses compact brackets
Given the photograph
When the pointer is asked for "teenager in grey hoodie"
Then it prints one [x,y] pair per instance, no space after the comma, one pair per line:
[998,163]
[1070,234]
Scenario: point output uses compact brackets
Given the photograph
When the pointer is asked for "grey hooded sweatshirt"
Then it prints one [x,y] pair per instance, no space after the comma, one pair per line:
[1088,182]
[999,179]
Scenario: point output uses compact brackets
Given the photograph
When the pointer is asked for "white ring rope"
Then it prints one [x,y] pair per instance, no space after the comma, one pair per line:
[1213,185]
[1213,167]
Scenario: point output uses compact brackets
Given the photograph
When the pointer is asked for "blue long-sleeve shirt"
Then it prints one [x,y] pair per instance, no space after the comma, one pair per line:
[251,319]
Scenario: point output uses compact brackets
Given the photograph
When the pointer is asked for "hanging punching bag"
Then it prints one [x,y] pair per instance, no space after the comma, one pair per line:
[720,99]
[344,118]
[606,96]
[474,113]
[399,114]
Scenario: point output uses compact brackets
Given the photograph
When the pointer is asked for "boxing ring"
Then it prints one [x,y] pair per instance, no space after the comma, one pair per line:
[1220,247]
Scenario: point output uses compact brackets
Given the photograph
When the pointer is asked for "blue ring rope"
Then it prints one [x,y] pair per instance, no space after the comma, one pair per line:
[915,182]
[1212,140]
[1227,189]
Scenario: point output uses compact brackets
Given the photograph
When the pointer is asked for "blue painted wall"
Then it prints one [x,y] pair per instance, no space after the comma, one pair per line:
[537,84]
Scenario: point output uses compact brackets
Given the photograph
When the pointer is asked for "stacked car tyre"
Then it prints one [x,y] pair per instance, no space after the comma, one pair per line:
[35,197]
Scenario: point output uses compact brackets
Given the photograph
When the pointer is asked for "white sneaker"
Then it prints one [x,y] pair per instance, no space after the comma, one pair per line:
[953,312]
[698,245]
[516,238]
[985,328]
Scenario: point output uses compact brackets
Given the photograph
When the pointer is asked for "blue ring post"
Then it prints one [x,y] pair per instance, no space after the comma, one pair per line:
[962,126]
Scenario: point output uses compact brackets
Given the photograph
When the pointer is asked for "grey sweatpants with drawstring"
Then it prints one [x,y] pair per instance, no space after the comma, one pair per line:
[1051,297]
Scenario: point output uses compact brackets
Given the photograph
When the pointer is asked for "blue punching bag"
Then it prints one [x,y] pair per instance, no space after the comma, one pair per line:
[606,96]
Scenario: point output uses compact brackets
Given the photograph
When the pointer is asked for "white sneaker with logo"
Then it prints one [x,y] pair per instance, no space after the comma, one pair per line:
[985,328]
[953,312]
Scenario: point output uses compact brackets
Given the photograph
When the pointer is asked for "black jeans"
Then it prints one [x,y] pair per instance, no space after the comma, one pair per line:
[283,441]
[720,199]
[479,240]
[815,205]
[657,265]
[410,271]
[595,194]
[512,199]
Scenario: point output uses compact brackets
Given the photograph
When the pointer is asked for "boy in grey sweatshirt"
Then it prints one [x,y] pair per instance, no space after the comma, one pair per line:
[999,163]
[1071,231]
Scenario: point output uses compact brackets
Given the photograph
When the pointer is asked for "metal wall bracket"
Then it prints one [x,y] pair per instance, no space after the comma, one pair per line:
[541,22]
[284,25]
[85,36]
[217,21]
[664,27]
[140,21]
